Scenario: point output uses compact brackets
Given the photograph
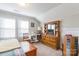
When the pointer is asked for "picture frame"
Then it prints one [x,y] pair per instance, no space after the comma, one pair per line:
[32,24]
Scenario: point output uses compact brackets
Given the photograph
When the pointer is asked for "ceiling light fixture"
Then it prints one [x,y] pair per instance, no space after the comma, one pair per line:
[22,4]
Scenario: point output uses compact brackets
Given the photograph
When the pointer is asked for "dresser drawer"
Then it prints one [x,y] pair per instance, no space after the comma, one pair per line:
[53,40]
[50,41]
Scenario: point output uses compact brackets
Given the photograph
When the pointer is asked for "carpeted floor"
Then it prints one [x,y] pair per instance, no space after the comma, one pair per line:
[43,50]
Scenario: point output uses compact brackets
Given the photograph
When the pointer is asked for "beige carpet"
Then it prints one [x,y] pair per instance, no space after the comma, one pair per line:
[43,50]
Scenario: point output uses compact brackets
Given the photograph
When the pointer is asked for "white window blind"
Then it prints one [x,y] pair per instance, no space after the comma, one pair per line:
[23,27]
[7,28]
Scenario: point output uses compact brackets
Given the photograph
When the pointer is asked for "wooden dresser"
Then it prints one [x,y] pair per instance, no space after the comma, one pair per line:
[52,40]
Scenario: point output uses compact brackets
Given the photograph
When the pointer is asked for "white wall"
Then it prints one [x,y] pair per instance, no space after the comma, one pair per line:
[33,30]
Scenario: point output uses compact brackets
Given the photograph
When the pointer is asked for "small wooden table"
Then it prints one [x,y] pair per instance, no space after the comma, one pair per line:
[28,48]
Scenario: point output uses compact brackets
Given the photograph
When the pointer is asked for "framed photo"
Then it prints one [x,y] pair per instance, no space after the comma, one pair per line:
[32,24]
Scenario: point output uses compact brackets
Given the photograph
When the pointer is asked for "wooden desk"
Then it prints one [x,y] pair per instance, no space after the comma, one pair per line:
[28,48]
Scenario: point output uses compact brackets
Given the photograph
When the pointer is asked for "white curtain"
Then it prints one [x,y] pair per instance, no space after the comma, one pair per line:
[23,27]
[11,28]
[7,28]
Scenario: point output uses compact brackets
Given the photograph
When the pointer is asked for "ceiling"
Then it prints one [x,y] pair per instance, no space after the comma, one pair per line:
[30,9]
[63,11]
[43,11]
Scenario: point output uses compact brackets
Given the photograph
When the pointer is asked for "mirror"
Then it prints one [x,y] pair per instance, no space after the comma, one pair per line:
[51,29]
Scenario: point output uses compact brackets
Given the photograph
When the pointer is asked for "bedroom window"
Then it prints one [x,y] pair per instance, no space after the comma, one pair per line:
[23,27]
[7,28]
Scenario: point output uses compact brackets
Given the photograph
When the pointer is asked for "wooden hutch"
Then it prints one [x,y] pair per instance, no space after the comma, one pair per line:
[70,45]
[51,35]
